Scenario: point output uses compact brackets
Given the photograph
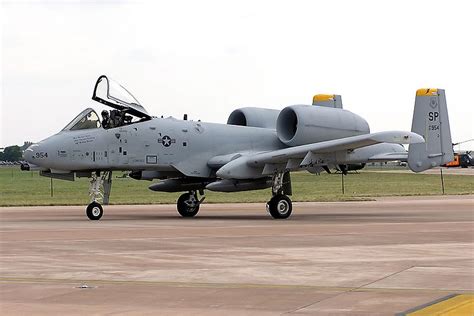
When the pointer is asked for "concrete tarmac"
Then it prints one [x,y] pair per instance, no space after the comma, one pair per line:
[351,258]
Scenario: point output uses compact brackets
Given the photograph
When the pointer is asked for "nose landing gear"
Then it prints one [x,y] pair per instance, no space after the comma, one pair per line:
[99,191]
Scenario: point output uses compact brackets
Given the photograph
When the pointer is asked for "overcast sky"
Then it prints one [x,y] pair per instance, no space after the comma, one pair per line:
[206,58]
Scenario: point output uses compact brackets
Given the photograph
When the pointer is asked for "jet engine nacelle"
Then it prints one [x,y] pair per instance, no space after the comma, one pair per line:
[303,124]
[254,117]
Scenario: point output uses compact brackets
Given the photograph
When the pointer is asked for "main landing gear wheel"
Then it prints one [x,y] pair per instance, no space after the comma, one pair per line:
[94,211]
[188,204]
[280,206]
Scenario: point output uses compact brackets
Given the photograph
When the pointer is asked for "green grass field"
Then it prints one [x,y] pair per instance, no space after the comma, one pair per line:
[28,188]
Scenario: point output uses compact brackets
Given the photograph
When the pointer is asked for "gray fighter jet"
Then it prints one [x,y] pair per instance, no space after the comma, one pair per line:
[256,149]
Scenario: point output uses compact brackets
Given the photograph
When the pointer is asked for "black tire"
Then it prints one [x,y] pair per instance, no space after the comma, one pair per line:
[280,206]
[94,211]
[188,205]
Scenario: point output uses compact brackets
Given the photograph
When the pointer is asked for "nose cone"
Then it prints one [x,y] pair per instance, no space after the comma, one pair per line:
[29,154]
[38,154]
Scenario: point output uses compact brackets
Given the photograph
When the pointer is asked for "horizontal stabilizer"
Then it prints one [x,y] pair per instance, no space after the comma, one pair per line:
[400,156]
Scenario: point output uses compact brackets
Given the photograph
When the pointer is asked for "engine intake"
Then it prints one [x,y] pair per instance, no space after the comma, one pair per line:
[303,124]
[254,117]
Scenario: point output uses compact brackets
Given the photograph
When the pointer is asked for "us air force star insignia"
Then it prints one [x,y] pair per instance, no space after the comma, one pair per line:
[167,141]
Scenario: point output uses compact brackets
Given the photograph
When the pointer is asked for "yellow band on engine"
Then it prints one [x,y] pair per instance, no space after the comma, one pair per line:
[323,97]
[427,91]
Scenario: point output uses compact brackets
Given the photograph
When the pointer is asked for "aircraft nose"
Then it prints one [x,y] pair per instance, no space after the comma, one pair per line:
[29,154]
[37,156]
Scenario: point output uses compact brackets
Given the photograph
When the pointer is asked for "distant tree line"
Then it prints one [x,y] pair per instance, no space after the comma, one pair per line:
[14,153]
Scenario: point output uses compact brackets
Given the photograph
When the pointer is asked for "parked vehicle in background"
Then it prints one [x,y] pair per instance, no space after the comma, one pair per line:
[461,160]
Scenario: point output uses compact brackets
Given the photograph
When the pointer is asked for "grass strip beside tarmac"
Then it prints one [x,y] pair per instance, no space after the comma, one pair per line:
[22,188]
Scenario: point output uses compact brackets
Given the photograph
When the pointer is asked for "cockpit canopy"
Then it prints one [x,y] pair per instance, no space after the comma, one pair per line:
[87,119]
[111,93]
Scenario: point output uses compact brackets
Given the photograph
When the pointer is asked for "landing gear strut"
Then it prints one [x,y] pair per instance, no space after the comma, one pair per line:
[99,191]
[188,204]
[280,205]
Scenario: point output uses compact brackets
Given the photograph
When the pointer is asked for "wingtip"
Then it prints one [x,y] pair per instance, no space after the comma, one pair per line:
[411,138]
[399,137]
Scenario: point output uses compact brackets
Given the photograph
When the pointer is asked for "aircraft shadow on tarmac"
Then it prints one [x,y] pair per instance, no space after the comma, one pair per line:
[234,215]
[318,217]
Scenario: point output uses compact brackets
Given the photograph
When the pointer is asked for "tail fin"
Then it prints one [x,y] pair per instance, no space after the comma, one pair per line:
[329,100]
[430,120]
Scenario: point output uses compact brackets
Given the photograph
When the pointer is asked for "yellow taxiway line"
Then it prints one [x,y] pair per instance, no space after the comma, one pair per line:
[458,305]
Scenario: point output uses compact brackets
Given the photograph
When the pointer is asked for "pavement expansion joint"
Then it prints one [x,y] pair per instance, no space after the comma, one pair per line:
[96,282]
[354,289]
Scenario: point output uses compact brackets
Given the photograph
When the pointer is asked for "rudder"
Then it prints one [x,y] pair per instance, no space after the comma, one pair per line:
[430,120]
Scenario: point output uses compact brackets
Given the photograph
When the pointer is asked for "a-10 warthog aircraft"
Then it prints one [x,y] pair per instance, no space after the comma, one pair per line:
[256,149]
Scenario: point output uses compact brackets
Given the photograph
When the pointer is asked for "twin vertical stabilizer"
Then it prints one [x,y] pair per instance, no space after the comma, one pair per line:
[430,120]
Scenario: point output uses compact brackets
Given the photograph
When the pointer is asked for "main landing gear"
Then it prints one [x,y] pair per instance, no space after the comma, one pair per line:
[99,191]
[280,205]
[188,203]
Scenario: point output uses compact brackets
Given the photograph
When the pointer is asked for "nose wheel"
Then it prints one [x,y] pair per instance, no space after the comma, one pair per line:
[94,211]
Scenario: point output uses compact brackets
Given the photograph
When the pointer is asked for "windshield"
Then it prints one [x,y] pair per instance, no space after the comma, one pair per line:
[87,119]
[111,93]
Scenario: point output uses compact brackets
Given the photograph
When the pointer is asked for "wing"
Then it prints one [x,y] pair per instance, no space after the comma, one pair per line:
[322,153]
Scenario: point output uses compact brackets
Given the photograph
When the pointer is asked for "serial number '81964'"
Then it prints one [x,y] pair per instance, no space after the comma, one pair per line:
[41,154]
